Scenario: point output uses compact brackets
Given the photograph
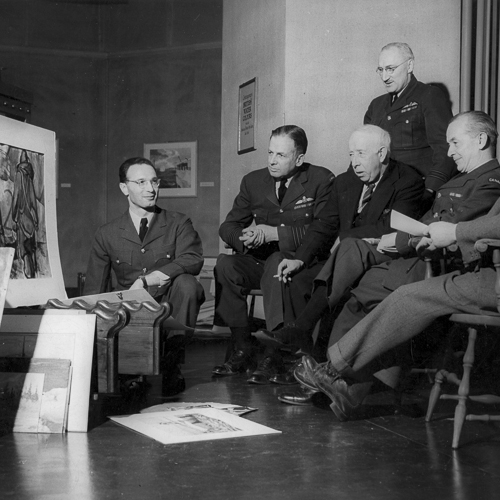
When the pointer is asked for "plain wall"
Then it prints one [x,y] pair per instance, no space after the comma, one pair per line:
[253,45]
[315,65]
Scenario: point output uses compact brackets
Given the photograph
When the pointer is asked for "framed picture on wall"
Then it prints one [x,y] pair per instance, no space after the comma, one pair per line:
[247,107]
[176,164]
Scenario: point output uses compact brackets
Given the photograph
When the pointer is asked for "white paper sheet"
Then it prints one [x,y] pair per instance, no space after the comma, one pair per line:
[407,224]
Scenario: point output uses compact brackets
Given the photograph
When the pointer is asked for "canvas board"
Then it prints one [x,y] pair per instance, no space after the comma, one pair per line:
[51,396]
[55,334]
[28,212]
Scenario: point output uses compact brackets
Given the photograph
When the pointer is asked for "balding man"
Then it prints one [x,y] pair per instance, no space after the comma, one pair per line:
[415,115]
[359,206]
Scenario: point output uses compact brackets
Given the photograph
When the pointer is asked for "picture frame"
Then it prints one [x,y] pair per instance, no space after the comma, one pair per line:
[247,116]
[177,166]
[28,200]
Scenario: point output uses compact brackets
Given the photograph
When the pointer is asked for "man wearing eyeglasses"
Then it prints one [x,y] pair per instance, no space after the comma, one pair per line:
[148,247]
[416,116]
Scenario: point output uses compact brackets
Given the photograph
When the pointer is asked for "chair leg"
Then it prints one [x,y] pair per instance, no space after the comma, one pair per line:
[435,392]
[463,390]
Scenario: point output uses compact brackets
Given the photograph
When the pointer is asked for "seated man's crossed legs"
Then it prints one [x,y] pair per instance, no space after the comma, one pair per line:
[371,348]
[332,280]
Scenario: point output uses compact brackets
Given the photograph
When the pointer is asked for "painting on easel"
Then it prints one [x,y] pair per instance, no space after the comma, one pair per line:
[22,211]
[28,212]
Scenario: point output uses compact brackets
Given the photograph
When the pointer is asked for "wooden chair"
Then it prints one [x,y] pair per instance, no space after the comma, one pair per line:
[473,322]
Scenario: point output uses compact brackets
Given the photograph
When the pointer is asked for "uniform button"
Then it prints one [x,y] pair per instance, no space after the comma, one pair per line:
[282,224]
[142,250]
[407,121]
[307,215]
[388,117]
[436,215]
[281,210]
[439,195]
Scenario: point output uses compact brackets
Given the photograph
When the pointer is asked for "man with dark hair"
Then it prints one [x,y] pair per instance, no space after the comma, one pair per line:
[415,115]
[271,213]
[148,247]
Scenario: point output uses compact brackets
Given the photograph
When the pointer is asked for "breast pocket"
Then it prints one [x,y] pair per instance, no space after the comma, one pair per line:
[164,255]
[122,264]
[410,128]
[302,216]
[260,216]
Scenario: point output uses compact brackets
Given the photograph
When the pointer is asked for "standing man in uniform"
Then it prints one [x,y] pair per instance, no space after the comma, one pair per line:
[415,115]
[270,215]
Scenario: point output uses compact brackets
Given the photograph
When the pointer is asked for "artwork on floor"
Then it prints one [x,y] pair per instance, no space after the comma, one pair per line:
[190,425]
[28,212]
[55,335]
[34,394]
[176,165]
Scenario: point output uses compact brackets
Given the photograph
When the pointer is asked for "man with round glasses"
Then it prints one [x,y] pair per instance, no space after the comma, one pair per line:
[416,116]
[148,247]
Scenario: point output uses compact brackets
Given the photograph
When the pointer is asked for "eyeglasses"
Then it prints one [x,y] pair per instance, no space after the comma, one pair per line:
[390,69]
[142,183]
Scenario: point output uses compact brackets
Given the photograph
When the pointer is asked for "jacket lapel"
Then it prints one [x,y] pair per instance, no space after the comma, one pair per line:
[156,228]
[295,189]
[127,229]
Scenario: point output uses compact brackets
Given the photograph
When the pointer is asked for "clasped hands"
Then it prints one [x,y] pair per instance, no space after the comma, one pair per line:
[255,236]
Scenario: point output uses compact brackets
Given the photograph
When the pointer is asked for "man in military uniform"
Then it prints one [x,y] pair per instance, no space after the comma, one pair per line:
[472,138]
[271,213]
[415,115]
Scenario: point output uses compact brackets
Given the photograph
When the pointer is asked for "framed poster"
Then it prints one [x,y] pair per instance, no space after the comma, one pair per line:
[177,167]
[247,107]
[28,213]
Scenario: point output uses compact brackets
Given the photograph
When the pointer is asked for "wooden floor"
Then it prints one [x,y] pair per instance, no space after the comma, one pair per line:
[378,456]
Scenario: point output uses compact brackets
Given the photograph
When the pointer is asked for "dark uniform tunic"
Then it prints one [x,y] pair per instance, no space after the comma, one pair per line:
[417,123]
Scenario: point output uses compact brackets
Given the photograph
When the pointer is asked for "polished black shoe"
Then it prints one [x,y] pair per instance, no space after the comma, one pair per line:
[267,368]
[288,377]
[238,362]
[289,335]
[300,397]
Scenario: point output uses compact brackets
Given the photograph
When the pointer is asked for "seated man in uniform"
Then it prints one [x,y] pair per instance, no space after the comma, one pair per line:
[270,214]
[148,247]
[472,138]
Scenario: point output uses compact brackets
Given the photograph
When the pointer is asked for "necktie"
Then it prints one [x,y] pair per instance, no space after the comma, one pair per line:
[143,229]
[367,196]
[282,190]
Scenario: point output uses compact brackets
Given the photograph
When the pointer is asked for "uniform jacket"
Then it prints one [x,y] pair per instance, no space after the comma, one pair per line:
[417,123]
[400,188]
[257,202]
[464,198]
[487,226]
[171,246]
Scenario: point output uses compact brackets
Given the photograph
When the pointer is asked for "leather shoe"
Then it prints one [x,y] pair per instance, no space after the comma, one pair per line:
[304,373]
[289,335]
[288,377]
[267,368]
[238,362]
[299,397]
[345,397]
